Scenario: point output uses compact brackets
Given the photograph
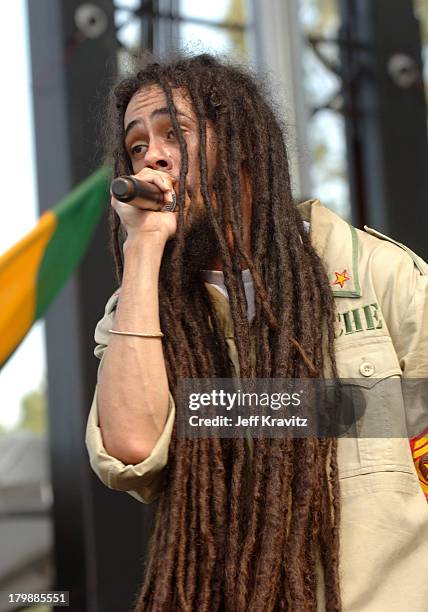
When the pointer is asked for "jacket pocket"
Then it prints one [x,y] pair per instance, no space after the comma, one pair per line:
[375,454]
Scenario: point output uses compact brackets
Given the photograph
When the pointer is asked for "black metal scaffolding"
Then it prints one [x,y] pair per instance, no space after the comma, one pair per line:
[386,118]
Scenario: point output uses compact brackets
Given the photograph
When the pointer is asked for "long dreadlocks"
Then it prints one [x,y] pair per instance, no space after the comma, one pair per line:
[228,536]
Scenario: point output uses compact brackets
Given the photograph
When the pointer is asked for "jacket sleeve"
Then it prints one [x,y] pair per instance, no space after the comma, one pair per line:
[405,303]
[143,481]
[412,350]
[412,340]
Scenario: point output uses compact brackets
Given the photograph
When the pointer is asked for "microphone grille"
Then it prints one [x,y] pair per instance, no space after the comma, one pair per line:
[120,187]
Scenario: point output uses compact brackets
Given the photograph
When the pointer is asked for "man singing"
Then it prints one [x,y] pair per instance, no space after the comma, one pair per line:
[239,281]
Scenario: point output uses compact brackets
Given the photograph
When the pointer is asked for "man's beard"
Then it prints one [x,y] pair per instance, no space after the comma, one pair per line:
[200,249]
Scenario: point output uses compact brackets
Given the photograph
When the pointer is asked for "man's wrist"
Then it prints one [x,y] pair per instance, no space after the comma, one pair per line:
[154,241]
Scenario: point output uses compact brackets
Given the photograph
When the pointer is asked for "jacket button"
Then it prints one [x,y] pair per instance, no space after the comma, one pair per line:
[367,368]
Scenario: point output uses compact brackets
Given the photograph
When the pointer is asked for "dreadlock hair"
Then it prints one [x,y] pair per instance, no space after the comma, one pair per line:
[230,533]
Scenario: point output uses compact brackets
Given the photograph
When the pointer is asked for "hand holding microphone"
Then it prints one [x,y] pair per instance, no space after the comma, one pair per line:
[128,188]
[138,198]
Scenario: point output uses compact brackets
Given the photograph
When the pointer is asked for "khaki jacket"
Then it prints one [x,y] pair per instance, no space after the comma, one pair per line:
[381,294]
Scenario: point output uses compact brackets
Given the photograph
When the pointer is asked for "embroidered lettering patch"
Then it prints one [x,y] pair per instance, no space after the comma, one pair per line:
[365,318]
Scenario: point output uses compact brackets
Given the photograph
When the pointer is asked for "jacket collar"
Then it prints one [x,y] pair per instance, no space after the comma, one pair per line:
[336,243]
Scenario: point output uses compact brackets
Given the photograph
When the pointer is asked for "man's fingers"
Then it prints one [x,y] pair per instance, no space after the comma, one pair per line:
[161,179]
[165,186]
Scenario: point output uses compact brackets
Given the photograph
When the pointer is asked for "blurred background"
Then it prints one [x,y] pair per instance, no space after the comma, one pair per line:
[350,78]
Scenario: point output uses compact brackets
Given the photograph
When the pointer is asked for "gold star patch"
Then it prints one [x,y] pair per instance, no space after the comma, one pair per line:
[341,278]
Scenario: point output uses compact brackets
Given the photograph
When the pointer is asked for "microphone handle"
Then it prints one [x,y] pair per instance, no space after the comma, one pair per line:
[126,188]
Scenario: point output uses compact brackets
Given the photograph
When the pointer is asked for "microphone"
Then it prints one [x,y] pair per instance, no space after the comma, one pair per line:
[126,188]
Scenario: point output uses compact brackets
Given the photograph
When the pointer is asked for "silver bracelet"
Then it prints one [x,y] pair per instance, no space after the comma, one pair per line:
[126,333]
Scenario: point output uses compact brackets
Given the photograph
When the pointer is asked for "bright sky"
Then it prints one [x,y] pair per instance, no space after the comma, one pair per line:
[25,370]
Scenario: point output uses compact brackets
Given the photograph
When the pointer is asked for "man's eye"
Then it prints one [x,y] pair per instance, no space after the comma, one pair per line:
[170,134]
[137,149]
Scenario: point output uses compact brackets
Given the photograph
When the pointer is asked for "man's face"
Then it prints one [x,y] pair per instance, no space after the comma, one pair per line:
[150,143]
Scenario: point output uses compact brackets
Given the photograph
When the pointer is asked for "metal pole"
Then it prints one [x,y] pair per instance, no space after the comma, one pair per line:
[278,48]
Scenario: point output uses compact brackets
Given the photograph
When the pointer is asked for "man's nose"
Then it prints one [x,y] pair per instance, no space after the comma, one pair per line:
[157,159]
